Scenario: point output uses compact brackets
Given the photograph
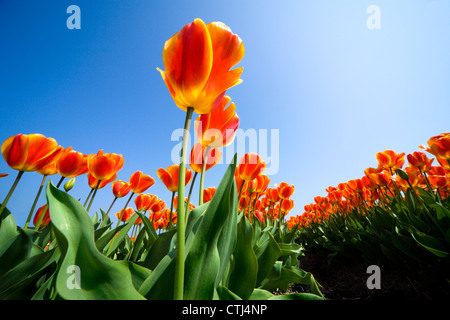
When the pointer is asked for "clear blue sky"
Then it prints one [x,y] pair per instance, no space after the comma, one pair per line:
[337,92]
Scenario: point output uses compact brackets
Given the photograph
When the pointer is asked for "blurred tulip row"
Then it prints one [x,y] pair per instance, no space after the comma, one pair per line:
[380,184]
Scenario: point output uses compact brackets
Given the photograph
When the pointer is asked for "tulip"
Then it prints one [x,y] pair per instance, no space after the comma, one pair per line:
[208,194]
[285,190]
[95,185]
[71,163]
[125,214]
[143,201]
[390,160]
[170,177]
[120,189]
[41,218]
[27,153]
[140,182]
[250,166]
[439,146]
[420,160]
[218,128]
[197,62]
[103,166]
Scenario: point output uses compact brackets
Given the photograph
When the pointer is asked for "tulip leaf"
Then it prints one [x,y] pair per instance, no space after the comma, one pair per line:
[8,227]
[297,296]
[243,273]
[432,244]
[84,273]
[203,261]
[267,253]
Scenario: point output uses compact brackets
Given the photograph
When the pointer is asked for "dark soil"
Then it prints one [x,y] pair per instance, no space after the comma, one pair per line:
[343,279]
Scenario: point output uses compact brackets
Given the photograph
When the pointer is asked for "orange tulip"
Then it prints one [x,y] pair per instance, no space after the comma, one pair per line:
[49,170]
[71,163]
[93,182]
[208,194]
[140,182]
[30,152]
[170,177]
[197,62]
[355,185]
[218,128]
[120,188]
[420,160]
[272,195]
[262,183]
[390,160]
[158,205]
[103,166]
[198,154]
[285,190]
[250,166]
[143,201]
[125,214]
[287,205]
[240,183]
[45,220]
[439,146]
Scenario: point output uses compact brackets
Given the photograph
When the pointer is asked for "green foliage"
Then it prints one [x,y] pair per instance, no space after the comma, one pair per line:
[81,257]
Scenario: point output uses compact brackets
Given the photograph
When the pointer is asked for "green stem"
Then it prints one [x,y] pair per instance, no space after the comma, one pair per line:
[179,259]
[35,202]
[3,206]
[110,207]
[88,197]
[38,224]
[202,177]
[93,196]
[60,181]
[171,210]
[123,211]
[189,196]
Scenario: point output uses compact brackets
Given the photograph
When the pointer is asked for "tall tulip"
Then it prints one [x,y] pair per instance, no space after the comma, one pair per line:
[26,153]
[250,166]
[120,189]
[71,164]
[197,62]
[390,160]
[439,146]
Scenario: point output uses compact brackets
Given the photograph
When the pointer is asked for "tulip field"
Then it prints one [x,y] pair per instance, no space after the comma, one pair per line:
[240,240]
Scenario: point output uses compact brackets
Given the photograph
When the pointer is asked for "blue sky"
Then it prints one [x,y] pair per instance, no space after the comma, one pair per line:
[336,91]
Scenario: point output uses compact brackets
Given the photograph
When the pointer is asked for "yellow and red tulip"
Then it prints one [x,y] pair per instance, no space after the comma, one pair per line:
[140,182]
[250,166]
[217,128]
[103,166]
[197,62]
[170,177]
[30,152]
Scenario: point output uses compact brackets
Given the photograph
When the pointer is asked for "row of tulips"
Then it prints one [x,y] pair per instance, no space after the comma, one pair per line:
[394,213]
[232,245]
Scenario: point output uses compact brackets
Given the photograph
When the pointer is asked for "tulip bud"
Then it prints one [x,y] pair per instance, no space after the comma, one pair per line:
[69,185]
[402,174]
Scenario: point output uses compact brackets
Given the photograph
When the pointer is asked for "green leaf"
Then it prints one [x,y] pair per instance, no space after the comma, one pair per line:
[267,253]
[260,294]
[203,261]
[21,281]
[8,227]
[99,277]
[297,296]
[16,249]
[243,274]
[432,244]
[225,294]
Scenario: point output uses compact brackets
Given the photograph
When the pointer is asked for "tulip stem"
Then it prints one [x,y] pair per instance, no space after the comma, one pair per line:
[189,196]
[35,202]
[180,241]
[93,196]
[123,211]
[88,197]
[202,176]
[60,181]
[171,210]
[106,215]
[19,175]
